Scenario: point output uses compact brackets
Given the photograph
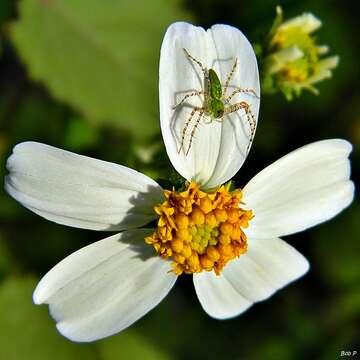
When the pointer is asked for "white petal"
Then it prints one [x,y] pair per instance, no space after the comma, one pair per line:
[79,191]
[105,287]
[329,62]
[282,57]
[302,189]
[307,22]
[219,148]
[269,265]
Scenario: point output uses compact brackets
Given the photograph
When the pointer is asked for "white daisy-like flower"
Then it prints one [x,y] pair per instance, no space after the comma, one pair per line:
[228,239]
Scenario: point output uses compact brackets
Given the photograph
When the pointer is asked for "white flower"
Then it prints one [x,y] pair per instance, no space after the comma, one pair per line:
[105,287]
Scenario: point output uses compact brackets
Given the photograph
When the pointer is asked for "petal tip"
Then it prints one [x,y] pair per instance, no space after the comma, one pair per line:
[36,297]
[40,295]
[66,331]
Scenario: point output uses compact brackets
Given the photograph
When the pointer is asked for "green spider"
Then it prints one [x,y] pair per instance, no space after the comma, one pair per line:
[216,104]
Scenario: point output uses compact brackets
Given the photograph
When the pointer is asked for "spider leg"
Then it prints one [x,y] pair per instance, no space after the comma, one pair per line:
[183,133]
[240,90]
[203,69]
[249,116]
[201,112]
[231,73]
[205,72]
[194,93]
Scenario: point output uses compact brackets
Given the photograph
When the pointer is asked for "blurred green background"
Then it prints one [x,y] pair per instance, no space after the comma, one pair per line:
[82,75]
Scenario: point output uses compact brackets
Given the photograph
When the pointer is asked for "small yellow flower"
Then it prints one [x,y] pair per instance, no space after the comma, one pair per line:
[293,59]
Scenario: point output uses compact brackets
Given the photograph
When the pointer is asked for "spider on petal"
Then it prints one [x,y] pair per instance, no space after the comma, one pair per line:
[216,103]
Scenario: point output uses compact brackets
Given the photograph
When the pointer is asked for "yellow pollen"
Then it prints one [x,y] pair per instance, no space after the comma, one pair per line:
[200,231]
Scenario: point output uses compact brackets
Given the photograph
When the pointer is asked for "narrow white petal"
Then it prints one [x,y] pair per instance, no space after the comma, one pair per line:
[105,287]
[307,22]
[79,191]
[304,188]
[269,265]
[219,148]
[282,57]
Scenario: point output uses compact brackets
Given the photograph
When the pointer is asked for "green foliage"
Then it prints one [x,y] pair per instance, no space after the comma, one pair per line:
[27,332]
[130,345]
[5,9]
[7,262]
[100,57]
[340,256]
[80,135]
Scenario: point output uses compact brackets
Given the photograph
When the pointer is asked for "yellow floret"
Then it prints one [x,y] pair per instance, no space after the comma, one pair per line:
[197,216]
[177,245]
[212,253]
[210,220]
[206,205]
[182,221]
[226,228]
[206,263]
[186,251]
[220,215]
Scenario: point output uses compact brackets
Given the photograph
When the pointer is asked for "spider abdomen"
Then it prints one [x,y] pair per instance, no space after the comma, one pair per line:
[216,108]
[215,85]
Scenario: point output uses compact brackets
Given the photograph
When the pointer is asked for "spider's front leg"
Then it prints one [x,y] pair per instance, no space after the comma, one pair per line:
[231,73]
[187,123]
[202,67]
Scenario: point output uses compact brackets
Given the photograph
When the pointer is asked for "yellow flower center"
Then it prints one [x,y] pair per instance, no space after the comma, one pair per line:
[199,230]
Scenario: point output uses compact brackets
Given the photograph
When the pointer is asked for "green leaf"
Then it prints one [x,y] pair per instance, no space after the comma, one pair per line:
[130,345]
[101,57]
[80,135]
[28,332]
[5,10]
[347,307]
[337,246]
[7,262]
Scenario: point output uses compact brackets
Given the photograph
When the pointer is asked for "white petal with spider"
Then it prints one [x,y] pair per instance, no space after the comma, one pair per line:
[212,150]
